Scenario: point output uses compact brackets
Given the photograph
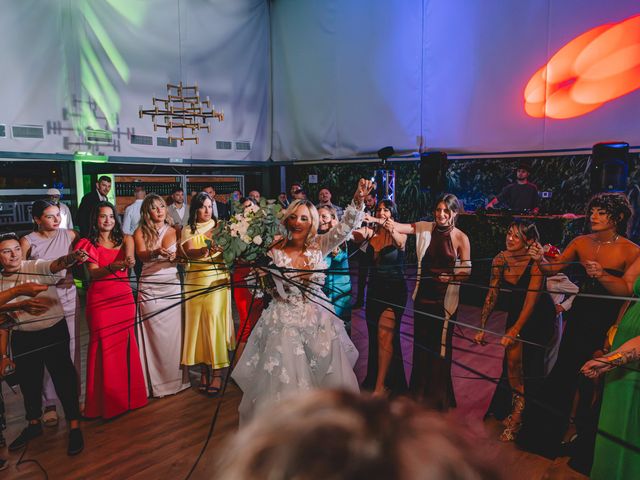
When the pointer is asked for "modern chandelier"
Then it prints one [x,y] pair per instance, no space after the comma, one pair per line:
[182,111]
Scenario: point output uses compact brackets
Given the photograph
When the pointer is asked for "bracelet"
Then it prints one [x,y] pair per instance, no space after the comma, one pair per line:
[616,359]
[4,355]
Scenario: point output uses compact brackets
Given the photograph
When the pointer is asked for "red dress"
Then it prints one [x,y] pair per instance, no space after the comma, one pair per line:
[243,295]
[115,382]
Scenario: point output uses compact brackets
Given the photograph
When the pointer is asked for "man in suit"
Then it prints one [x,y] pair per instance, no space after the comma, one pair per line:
[89,202]
[178,210]
[220,210]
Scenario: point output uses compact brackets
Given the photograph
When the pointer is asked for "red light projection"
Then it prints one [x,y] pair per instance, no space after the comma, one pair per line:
[594,68]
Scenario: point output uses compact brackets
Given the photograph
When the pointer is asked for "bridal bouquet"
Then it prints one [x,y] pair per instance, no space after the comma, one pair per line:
[248,234]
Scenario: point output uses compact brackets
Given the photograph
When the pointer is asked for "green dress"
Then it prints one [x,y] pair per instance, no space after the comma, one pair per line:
[620,414]
[338,286]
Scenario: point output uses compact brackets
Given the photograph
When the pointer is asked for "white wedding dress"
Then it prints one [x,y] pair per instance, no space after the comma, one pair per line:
[298,343]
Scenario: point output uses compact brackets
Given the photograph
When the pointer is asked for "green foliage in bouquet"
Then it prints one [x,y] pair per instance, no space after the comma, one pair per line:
[249,233]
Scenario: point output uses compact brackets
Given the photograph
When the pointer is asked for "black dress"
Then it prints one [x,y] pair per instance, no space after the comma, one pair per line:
[433,335]
[386,288]
[545,423]
[538,330]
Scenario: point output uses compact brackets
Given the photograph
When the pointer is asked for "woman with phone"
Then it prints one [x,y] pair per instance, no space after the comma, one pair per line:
[530,323]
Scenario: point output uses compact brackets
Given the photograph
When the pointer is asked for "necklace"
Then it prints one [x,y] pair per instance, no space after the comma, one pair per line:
[605,242]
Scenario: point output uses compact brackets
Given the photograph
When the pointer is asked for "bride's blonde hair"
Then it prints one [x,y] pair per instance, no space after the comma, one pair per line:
[313,212]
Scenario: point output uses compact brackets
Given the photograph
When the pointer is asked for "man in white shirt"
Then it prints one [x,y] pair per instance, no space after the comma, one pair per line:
[178,210]
[40,340]
[132,212]
[65,214]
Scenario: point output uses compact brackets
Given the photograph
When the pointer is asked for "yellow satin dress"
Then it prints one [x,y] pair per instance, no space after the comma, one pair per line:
[208,327]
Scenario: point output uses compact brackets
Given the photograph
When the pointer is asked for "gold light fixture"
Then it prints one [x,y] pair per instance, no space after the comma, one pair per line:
[182,111]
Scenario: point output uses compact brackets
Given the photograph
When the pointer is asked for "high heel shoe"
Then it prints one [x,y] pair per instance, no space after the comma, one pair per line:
[212,390]
[513,426]
[204,382]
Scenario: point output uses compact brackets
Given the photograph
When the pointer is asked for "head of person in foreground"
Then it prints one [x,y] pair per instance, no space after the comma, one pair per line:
[339,435]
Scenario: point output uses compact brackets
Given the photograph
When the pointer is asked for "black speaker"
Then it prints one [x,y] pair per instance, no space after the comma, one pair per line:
[609,167]
[433,171]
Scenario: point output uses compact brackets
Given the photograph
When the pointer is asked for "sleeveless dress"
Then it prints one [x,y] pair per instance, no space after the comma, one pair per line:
[115,382]
[433,335]
[539,330]
[337,286]
[299,343]
[160,325]
[587,325]
[51,249]
[619,415]
[208,325]
[386,289]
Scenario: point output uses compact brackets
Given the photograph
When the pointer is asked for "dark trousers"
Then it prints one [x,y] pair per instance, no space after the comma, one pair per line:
[34,350]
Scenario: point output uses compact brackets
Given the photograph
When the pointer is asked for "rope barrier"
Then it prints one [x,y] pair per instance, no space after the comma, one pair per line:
[310,294]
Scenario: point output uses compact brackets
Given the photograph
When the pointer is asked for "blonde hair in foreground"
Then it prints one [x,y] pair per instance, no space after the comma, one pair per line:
[339,435]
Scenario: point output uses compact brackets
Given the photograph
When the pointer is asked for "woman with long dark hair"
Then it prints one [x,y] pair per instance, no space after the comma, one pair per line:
[444,260]
[47,242]
[530,324]
[208,329]
[385,301]
[602,257]
[159,301]
[115,382]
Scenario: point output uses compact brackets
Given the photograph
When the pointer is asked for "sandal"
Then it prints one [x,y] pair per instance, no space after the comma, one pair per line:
[204,381]
[50,417]
[512,426]
[212,390]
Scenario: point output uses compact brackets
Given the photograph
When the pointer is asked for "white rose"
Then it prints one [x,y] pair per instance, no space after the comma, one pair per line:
[245,238]
[257,240]
[243,227]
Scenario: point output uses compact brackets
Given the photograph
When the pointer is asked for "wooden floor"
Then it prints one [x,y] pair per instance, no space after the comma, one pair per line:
[163,439]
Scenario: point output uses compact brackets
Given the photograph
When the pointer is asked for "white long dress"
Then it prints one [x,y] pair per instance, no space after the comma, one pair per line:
[298,342]
[159,327]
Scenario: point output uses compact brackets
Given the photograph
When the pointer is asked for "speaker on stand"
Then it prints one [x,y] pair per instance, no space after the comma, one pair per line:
[433,172]
[385,178]
[609,167]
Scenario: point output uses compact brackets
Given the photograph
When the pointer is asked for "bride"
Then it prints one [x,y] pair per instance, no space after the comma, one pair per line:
[299,343]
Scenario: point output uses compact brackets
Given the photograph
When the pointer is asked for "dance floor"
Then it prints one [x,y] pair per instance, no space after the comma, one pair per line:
[163,439]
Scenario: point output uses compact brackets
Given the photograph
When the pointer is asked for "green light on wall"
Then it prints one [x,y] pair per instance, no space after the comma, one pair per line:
[90,157]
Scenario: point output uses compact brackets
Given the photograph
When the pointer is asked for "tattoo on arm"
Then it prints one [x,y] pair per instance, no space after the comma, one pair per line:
[492,295]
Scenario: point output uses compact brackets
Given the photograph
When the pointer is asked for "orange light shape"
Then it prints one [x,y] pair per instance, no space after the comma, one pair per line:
[592,69]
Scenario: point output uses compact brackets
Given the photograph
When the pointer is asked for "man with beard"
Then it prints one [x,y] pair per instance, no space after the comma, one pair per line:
[521,196]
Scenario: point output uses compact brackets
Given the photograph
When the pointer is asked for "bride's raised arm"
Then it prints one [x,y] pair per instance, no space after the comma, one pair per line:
[351,219]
